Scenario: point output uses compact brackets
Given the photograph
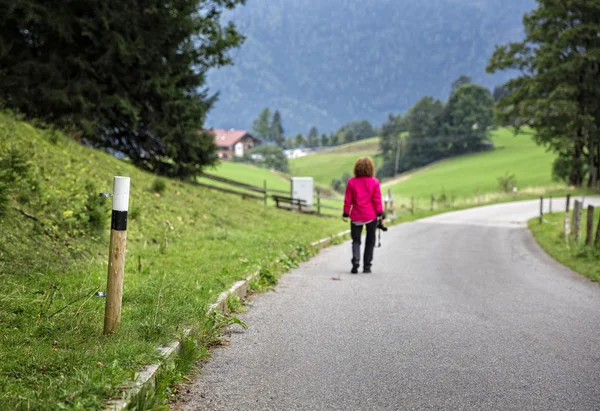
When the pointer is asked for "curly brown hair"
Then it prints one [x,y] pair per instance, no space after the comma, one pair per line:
[364,167]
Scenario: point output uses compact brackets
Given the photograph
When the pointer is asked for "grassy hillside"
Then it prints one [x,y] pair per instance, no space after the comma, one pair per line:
[327,165]
[369,145]
[461,177]
[250,175]
[185,245]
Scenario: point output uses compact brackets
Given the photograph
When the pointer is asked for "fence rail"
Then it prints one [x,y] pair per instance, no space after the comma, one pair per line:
[234,183]
[336,200]
[229,191]
[330,207]
[279,191]
[322,205]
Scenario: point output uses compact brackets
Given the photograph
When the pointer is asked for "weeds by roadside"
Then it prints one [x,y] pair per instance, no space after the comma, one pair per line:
[577,256]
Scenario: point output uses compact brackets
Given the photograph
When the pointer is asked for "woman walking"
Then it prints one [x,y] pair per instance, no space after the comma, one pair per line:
[362,203]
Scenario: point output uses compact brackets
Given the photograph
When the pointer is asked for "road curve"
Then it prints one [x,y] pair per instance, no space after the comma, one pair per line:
[463,311]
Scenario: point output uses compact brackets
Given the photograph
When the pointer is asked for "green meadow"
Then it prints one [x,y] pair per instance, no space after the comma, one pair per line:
[330,164]
[463,177]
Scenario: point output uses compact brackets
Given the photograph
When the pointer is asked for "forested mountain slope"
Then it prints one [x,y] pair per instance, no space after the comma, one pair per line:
[324,63]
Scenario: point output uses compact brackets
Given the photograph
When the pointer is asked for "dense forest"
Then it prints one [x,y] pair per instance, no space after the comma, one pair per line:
[326,63]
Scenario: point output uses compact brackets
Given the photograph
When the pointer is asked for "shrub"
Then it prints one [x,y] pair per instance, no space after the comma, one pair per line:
[135,213]
[386,170]
[271,157]
[95,211]
[13,167]
[507,182]
[3,199]
[339,184]
[158,186]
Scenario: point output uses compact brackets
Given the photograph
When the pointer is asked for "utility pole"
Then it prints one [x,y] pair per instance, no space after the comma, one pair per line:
[397,157]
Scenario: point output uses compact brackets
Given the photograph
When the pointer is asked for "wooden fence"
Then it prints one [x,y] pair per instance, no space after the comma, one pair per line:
[244,190]
[322,205]
[333,207]
[572,224]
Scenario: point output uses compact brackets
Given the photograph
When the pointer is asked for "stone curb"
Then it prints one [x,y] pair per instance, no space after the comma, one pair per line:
[328,240]
[146,378]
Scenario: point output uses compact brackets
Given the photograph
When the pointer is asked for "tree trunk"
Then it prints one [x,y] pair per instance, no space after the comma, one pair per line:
[589,226]
[598,164]
[575,179]
[592,162]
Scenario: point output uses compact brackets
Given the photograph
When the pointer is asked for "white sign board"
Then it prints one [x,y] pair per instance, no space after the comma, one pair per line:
[302,189]
[239,150]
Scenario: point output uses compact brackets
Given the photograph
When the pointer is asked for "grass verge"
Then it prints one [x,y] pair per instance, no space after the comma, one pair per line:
[575,255]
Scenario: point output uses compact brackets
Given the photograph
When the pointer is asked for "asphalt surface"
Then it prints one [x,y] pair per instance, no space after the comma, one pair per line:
[463,311]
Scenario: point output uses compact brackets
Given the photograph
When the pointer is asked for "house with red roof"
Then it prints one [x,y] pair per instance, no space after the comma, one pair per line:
[233,143]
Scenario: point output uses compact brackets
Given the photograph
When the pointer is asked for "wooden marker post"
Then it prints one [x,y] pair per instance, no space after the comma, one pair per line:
[577,217]
[541,209]
[589,231]
[318,201]
[116,257]
[567,218]
[597,240]
[392,209]
[265,184]
[385,204]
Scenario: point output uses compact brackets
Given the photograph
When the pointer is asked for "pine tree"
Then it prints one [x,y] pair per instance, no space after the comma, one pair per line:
[300,140]
[390,133]
[461,81]
[324,140]
[277,131]
[313,137]
[118,75]
[424,124]
[466,120]
[558,90]
[261,126]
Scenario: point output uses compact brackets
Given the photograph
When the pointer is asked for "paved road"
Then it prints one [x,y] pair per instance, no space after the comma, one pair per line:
[463,312]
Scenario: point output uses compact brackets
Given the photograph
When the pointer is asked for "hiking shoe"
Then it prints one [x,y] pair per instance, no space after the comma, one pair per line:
[367,271]
[354,269]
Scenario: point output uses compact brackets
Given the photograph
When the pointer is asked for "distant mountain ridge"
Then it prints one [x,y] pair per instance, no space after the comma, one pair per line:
[325,63]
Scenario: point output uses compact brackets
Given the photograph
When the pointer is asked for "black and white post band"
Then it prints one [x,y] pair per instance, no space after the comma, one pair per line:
[120,204]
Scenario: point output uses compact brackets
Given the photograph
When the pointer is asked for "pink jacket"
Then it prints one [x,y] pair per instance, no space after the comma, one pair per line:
[362,202]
